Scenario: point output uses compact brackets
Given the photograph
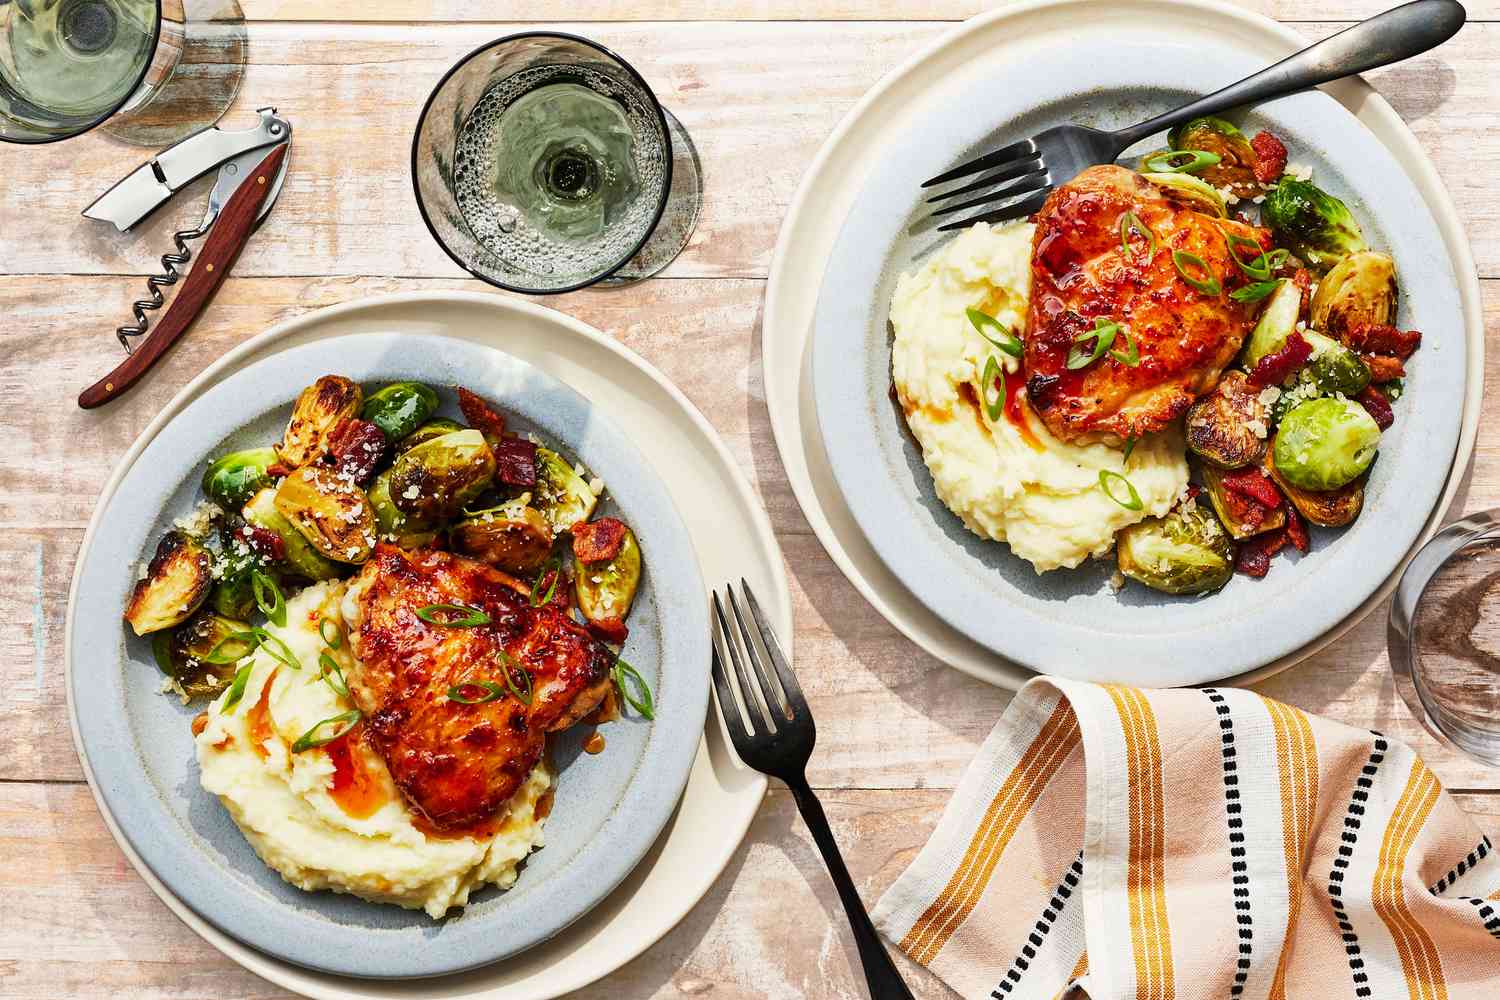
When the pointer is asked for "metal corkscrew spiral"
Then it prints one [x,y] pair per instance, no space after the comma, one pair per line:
[170,262]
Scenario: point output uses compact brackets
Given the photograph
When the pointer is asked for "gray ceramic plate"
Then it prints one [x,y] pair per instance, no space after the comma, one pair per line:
[1068,622]
[609,808]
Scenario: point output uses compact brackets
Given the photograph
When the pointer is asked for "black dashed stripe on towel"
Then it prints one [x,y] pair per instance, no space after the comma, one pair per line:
[1041,929]
[1473,858]
[1352,817]
[1239,868]
[1487,914]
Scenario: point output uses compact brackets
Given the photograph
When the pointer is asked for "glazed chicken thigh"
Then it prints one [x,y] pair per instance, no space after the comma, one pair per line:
[1082,270]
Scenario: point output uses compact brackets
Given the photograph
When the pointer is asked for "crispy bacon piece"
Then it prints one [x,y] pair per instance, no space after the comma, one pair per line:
[1377,406]
[1252,484]
[1296,530]
[1270,157]
[264,542]
[610,629]
[1274,368]
[356,448]
[1383,368]
[480,415]
[515,461]
[598,541]
[1379,338]
[1254,555]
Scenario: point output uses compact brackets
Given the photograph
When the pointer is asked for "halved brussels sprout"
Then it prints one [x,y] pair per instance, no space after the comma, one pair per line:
[1236,167]
[320,408]
[1277,321]
[233,596]
[406,531]
[435,479]
[1328,508]
[1324,443]
[1360,290]
[176,582]
[235,478]
[330,512]
[399,408]
[513,537]
[562,494]
[1312,223]
[428,431]
[1221,427]
[181,653]
[1237,513]
[1190,192]
[606,590]
[301,557]
[1186,552]
[1333,367]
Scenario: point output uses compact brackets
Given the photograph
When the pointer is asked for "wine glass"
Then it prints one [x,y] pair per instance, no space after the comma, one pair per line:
[543,162]
[67,66]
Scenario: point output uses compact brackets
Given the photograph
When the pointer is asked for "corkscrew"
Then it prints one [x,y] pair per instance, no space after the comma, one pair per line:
[252,165]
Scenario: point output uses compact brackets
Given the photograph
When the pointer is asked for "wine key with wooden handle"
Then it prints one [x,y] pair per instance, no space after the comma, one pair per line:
[252,166]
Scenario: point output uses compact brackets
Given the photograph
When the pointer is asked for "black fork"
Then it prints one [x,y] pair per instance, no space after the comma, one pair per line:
[774,734]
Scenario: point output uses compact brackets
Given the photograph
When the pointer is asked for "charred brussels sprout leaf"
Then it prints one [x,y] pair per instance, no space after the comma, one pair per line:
[202,654]
[1327,508]
[1190,192]
[399,408]
[562,494]
[1186,552]
[318,411]
[435,479]
[1236,167]
[406,531]
[176,582]
[330,512]
[301,558]
[426,432]
[1221,427]
[1277,321]
[1334,368]
[1324,443]
[232,480]
[1359,291]
[606,590]
[513,537]
[1312,223]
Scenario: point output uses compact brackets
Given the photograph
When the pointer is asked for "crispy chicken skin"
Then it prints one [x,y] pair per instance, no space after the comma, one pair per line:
[1080,272]
[458,764]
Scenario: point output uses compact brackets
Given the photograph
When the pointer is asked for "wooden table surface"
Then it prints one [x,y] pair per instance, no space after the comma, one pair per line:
[760,84]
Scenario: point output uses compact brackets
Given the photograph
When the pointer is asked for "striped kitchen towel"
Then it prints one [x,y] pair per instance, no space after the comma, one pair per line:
[1178,844]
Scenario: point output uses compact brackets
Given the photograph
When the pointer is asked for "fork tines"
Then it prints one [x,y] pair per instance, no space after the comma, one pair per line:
[754,704]
[1016,186]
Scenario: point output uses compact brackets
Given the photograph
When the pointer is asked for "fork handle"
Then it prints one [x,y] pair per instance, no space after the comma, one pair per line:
[880,973]
[1397,34]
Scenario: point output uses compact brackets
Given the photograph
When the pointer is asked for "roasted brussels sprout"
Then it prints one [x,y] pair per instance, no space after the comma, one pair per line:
[1324,443]
[330,512]
[1190,192]
[1222,426]
[1334,368]
[184,653]
[301,558]
[1277,321]
[1312,223]
[561,492]
[1236,167]
[406,531]
[176,582]
[1328,508]
[320,408]
[399,408]
[428,431]
[513,537]
[1360,290]
[1241,516]
[1186,552]
[435,479]
[606,590]
[232,480]
[233,596]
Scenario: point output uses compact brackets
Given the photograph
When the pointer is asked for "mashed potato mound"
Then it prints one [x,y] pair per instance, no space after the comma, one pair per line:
[303,826]
[1024,487]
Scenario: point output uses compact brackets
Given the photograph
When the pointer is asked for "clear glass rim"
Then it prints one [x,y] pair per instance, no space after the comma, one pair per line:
[656,106]
[134,87]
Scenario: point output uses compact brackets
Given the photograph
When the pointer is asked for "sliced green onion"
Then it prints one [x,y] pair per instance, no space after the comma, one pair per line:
[511,669]
[280,651]
[492,692]
[641,701]
[332,670]
[236,689]
[1183,260]
[1131,223]
[1103,335]
[1130,444]
[452,616]
[1004,338]
[332,635]
[1255,292]
[1107,476]
[219,655]
[1165,161]
[269,598]
[552,567]
[1132,355]
[311,739]
[993,379]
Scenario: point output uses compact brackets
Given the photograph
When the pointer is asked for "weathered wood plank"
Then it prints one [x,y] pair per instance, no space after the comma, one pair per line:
[759,98]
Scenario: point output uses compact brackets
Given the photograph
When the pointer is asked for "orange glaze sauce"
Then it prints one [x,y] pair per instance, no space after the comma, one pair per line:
[1015,414]
[355,788]
[594,744]
[258,719]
